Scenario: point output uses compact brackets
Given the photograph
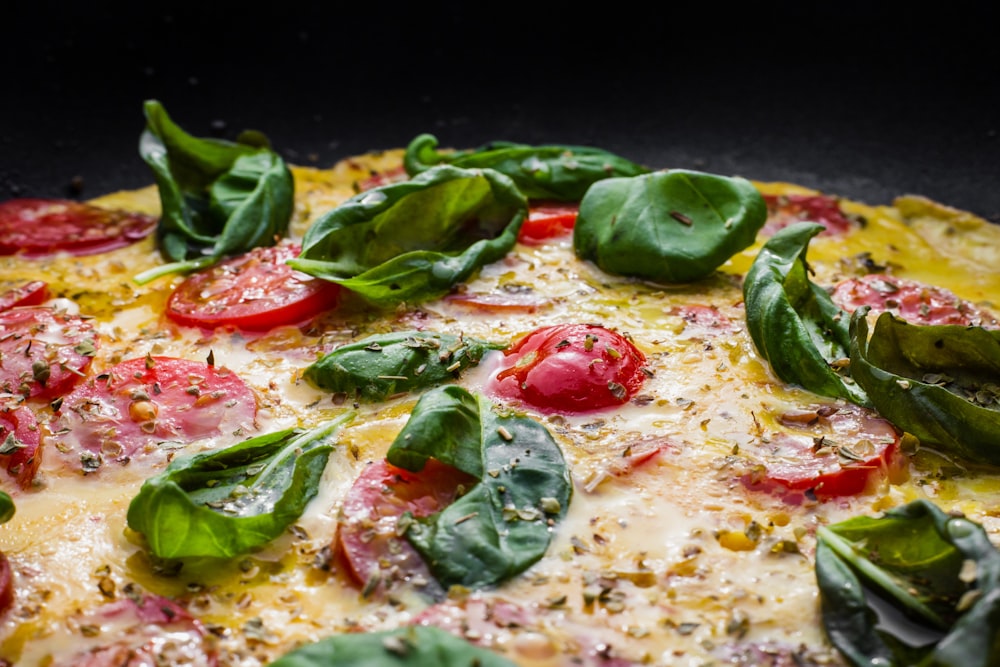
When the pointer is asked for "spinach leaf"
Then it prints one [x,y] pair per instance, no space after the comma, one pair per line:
[504,523]
[917,586]
[218,198]
[416,239]
[413,646]
[672,226]
[228,502]
[940,383]
[382,365]
[541,172]
[794,323]
[7,508]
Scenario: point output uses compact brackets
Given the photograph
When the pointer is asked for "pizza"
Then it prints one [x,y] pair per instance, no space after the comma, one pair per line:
[506,405]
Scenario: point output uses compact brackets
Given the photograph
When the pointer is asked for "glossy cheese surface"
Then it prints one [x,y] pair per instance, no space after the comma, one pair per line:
[670,561]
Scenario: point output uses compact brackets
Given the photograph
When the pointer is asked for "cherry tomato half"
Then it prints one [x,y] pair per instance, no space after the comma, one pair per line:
[548,220]
[41,227]
[569,368]
[910,300]
[256,291]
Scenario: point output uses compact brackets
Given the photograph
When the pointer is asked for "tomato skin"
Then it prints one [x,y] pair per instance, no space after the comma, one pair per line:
[6,584]
[256,291]
[569,368]
[142,402]
[44,352]
[23,463]
[783,210]
[31,293]
[910,300]
[377,557]
[548,220]
[43,227]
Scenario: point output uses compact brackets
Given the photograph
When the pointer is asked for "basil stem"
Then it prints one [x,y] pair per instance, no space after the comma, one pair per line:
[417,239]
[672,226]
[794,323]
[229,502]
[504,523]
[917,586]
[412,646]
[218,198]
[541,172]
[383,365]
[940,383]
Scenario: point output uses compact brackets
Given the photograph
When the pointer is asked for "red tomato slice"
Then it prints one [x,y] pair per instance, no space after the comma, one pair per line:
[19,434]
[148,630]
[548,220]
[379,179]
[783,210]
[569,368]
[141,404]
[256,291]
[498,303]
[31,293]
[827,452]
[377,556]
[910,300]
[704,319]
[44,352]
[6,584]
[41,227]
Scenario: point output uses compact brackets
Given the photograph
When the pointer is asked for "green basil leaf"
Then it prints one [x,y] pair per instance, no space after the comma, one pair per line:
[794,323]
[672,226]
[7,508]
[229,502]
[218,198]
[383,365]
[417,239]
[915,587]
[940,383]
[412,646]
[504,523]
[541,172]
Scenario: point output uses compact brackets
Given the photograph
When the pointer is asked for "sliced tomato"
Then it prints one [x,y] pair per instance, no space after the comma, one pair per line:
[148,630]
[19,440]
[44,351]
[548,220]
[42,227]
[378,179]
[6,584]
[911,300]
[368,536]
[703,319]
[826,451]
[569,368]
[256,291]
[31,293]
[783,210]
[143,403]
[520,301]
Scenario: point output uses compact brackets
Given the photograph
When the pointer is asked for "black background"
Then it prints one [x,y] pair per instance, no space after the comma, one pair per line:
[858,100]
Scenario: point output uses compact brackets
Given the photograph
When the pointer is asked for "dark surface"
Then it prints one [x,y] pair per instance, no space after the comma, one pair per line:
[852,100]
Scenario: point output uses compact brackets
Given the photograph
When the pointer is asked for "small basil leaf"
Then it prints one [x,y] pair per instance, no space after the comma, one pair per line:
[383,365]
[672,226]
[794,323]
[504,523]
[229,502]
[940,383]
[417,239]
[938,574]
[7,508]
[412,646]
[218,198]
[541,172]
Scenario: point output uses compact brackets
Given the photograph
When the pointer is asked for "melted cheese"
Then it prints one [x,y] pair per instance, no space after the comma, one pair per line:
[664,563]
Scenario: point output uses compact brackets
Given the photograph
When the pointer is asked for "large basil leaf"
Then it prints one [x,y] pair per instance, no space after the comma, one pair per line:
[218,198]
[412,646]
[541,172]
[379,366]
[504,523]
[7,508]
[794,323]
[672,226]
[417,239]
[228,502]
[940,383]
[938,574]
